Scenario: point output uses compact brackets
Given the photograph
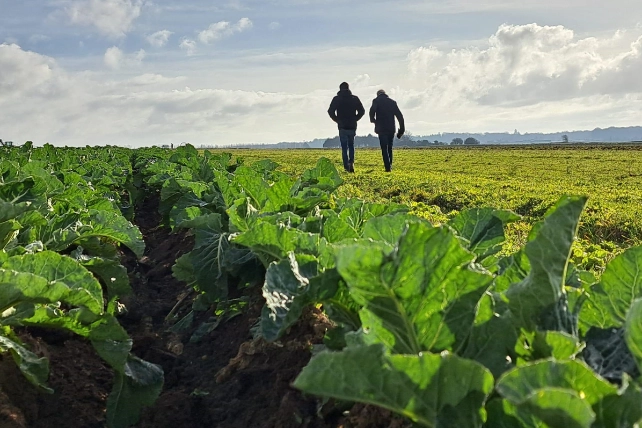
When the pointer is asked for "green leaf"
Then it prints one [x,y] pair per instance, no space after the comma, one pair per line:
[389,228]
[35,369]
[548,254]
[136,386]
[493,338]
[502,414]
[622,410]
[253,185]
[633,331]
[113,274]
[114,226]
[559,408]
[610,300]
[8,232]
[274,241]
[324,176]
[335,229]
[212,257]
[111,341]
[82,288]
[290,286]
[518,384]
[10,211]
[483,229]
[20,287]
[432,390]
[183,269]
[421,297]
[62,232]
[357,212]
[546,380]
[546,344]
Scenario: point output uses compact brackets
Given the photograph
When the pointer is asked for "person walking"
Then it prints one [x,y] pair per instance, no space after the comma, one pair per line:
[346,110]
[382,113]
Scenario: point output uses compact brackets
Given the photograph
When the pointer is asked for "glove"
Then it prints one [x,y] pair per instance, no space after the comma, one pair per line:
[400,134]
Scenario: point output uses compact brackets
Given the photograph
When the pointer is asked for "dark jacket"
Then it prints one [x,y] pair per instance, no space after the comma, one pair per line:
[383,113]
[346,109]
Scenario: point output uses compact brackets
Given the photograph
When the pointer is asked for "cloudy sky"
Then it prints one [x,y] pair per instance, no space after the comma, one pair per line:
[143,72]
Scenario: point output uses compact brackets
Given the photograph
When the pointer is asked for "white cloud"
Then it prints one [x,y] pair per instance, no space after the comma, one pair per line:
[149,79]
[274,25]
[362,80]
[159,38]
[114,58]
[421,58]
[23,72]
[223,29]
[44,103]
[528,64]
[112,18]
[189,46]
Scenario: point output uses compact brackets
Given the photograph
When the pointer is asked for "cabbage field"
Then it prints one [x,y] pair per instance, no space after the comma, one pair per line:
[181,288]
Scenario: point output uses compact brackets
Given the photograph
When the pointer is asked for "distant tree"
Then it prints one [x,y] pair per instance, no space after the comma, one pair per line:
[564,138]
[332,142]
[471,141]
[456,141]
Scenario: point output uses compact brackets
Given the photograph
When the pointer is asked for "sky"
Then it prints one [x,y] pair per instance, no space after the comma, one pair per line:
[153,72]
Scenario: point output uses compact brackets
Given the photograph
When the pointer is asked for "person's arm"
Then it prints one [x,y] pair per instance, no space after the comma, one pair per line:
[373,110]
[402,124]
[360,110]
[332,111]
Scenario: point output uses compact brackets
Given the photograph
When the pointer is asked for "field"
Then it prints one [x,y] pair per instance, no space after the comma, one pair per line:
[525,179]
[469,287]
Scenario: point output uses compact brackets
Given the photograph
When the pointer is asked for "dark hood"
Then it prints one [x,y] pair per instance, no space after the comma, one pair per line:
[344,93]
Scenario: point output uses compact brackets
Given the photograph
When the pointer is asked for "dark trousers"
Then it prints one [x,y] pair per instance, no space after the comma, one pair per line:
[346,136]
[385,141]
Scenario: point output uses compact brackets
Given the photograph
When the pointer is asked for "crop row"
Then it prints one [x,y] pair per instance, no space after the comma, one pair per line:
[63,228]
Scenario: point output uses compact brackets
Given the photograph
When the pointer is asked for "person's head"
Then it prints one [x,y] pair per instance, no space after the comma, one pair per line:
[381,92]
[344,86]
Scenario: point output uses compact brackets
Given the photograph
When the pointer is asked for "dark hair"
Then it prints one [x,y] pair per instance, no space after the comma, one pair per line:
[344,85]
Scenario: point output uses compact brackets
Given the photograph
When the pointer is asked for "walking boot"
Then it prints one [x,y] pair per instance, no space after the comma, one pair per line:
[351,167]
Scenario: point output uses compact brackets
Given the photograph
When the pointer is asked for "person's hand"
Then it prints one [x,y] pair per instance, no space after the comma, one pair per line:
[399,135]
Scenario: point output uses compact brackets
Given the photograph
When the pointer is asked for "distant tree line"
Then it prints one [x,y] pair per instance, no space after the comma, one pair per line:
[373,141]
[467,142]
[405,141]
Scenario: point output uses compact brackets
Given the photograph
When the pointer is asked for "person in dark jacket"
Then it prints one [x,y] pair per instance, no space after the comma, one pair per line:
[346,110]
[382,114]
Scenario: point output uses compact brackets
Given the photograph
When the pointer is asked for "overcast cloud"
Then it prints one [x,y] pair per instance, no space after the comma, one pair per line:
[136,72]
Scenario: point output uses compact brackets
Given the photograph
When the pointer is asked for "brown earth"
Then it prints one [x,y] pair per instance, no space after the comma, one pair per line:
[227,379]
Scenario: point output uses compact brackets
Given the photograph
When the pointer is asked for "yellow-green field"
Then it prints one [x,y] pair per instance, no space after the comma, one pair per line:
[527,180]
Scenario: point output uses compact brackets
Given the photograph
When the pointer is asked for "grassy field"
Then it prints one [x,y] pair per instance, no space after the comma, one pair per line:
[438,182]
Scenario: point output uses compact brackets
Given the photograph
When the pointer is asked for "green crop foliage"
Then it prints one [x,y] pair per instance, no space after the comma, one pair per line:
[437,183]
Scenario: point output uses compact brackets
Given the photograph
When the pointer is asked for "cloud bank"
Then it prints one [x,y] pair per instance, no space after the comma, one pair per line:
[530,64]
[531,77]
